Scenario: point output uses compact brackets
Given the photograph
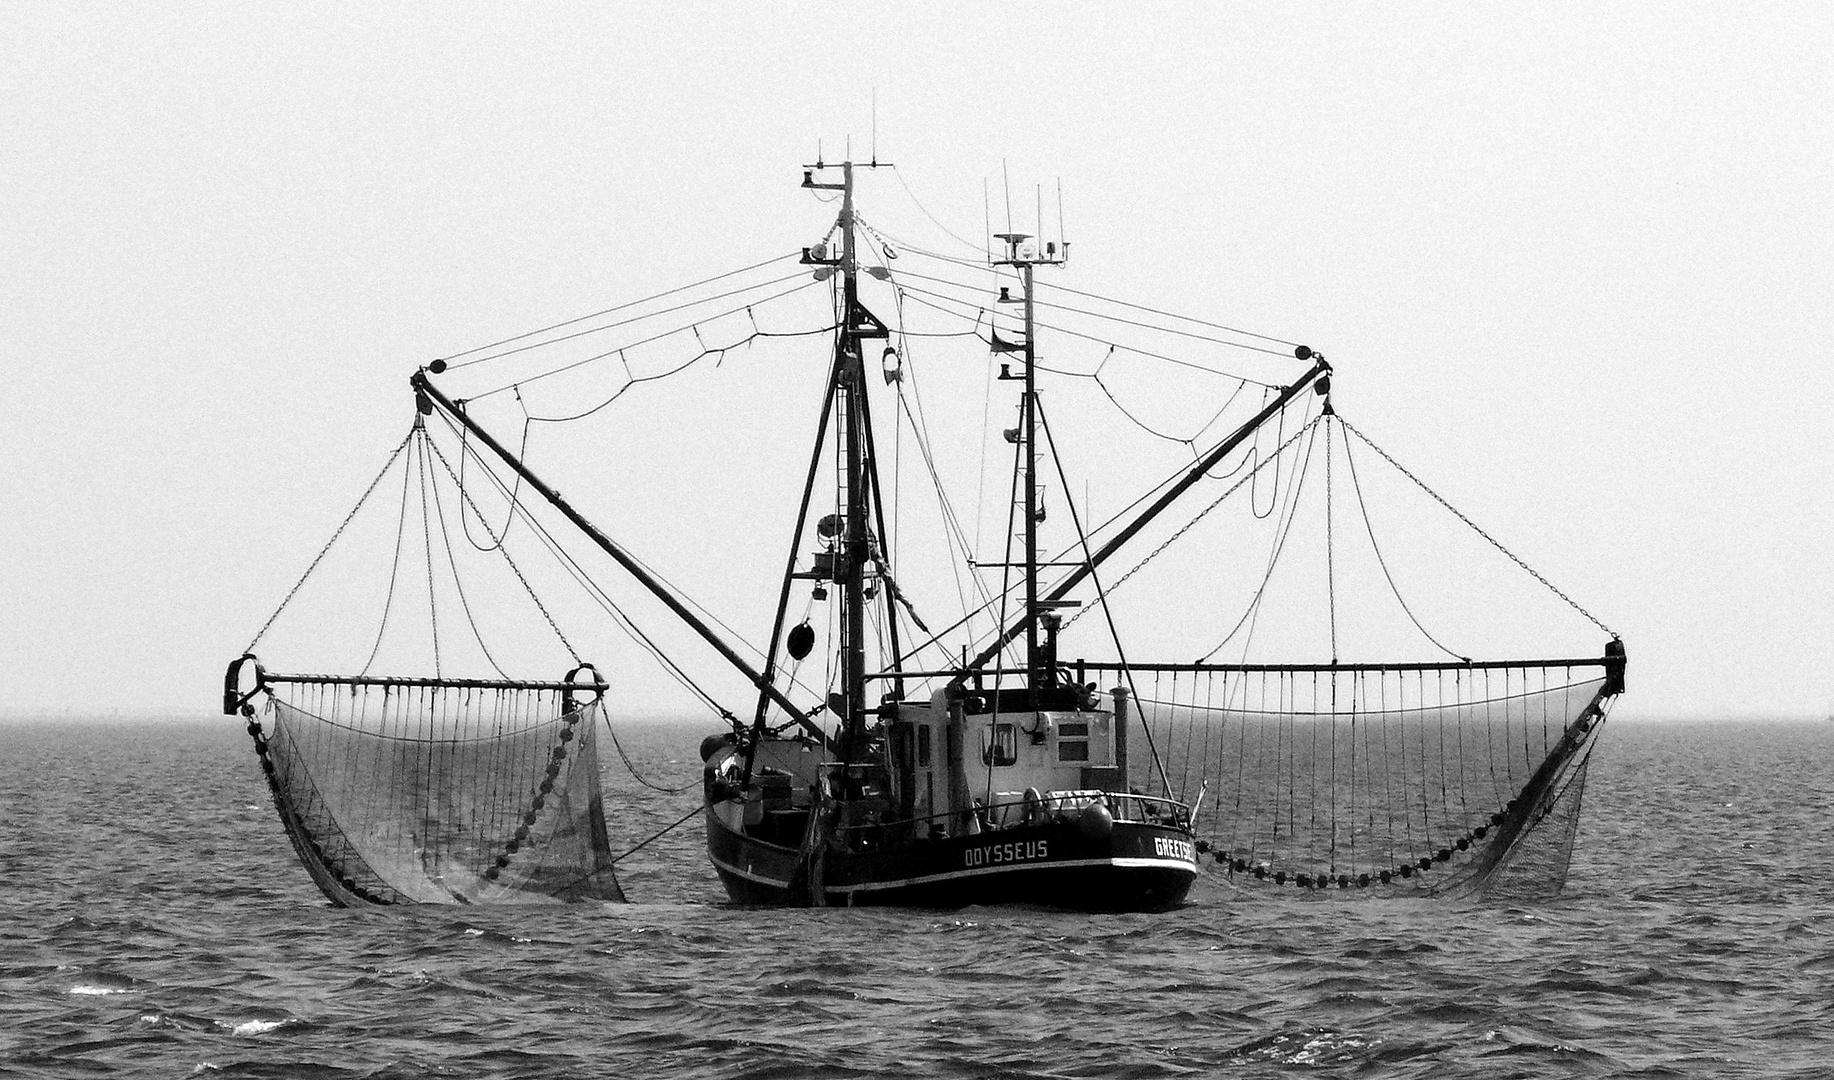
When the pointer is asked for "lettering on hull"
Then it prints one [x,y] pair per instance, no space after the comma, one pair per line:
[995,854]
[1169,848]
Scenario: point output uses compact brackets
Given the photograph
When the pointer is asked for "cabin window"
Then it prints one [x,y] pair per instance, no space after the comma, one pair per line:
[1073,742]
[923,746]
[1003,747]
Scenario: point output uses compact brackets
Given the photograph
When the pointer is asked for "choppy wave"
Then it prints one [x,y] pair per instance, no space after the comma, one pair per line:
[159,925]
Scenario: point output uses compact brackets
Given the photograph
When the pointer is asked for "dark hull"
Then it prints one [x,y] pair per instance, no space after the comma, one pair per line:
[1139,867]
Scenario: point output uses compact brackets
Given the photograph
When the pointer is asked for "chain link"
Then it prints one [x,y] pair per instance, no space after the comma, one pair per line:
[1472,525]
[497,545]
[367,492]
[1233,488]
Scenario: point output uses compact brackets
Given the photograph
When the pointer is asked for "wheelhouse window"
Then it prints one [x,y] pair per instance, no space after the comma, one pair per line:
[1003,747]
[923,746]
[1073,742]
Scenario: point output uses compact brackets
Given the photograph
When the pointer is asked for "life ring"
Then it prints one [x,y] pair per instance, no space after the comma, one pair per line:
[1035,813]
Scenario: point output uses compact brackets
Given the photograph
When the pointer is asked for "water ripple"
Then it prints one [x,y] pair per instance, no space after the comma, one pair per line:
[1696,940]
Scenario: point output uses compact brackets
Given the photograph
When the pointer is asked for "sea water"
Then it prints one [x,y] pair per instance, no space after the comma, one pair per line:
[156,923]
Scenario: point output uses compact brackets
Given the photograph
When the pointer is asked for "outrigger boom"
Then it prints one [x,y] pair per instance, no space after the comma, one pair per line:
[431,396]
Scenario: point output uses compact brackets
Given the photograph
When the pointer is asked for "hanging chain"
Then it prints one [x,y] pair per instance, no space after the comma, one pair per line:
[367,492]
[1233,488]
[426,531]
[631,767]
[1472,525]
[1330,542]
[497,544]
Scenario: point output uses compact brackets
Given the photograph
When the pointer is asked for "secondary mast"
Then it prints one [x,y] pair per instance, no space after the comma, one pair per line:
[1024,260]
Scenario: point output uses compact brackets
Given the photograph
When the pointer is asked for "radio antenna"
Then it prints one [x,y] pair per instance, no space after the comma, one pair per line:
[1061,237]
[987,216]
[1006,182]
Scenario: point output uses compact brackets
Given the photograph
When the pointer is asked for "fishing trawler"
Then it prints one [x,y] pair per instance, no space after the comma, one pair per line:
[980,764]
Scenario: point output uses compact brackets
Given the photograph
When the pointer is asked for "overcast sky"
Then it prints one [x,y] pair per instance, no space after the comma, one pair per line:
[1572,263]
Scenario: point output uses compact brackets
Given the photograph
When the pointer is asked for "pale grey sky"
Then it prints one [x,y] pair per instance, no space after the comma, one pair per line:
[1572,263]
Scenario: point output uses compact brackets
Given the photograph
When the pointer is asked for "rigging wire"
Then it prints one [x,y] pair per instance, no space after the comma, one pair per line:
[1190,442]
[632,381]
[1060,554]
[1067,332]
[1363,506]
[1474,528]
[1251,616]
[656,337]
[1199,516]
[1137,422]
[1290,345]
[631,767]
[1330,544]
[394,570]
[1101,595]
[497,544]
[450,366]
[680,821]
[1274,503]
[1006,572]
[899,173]
[906,246]
[953,533]
[598,595]
[458,586]
[1285,354]
[1055,557]
[426,533]
[316,559]
[645,317]
[515,496]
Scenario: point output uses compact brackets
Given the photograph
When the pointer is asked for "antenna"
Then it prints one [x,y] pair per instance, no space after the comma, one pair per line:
[987,213]
[1006,180]
[1063,240]
[875,125]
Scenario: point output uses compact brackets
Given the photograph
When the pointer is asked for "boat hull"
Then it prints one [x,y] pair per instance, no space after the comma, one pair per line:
[1137,867]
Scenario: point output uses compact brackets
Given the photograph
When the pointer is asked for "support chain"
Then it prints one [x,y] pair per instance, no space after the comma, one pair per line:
[498,543]
[1574,604]
[1233,488]
[367,492]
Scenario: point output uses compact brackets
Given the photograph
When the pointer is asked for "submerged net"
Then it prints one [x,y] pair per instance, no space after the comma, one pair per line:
[1453,779]
[433,791]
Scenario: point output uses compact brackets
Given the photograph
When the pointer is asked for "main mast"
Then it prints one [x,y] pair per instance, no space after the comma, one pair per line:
[858,325]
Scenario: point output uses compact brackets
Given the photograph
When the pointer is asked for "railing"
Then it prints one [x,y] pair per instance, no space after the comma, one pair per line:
[1012,809]
[234,696]
[1081,667]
